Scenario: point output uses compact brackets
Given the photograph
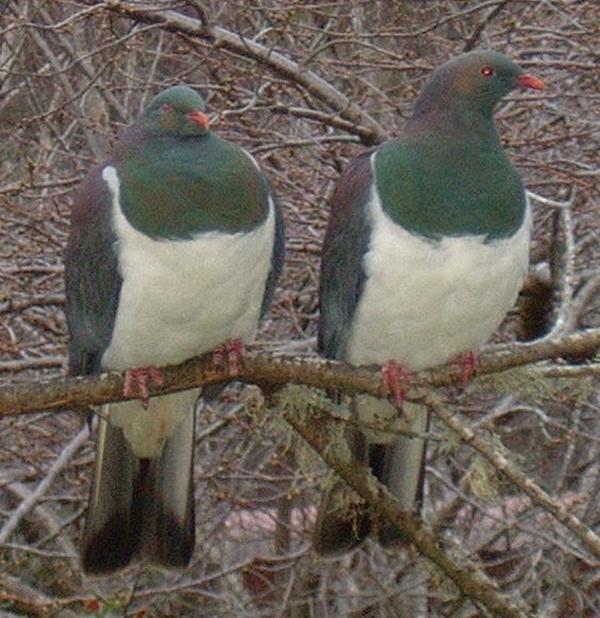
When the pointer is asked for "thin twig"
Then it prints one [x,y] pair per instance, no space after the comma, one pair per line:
[363,125]
[29,503]
[587,537]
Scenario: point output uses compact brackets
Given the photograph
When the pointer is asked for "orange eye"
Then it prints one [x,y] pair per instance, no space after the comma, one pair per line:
[167,107]
[487,71]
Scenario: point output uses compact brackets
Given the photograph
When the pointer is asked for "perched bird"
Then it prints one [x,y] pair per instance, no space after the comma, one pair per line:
[425,252]
[175,247]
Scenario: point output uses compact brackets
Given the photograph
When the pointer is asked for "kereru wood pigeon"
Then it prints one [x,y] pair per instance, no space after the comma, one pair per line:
[176,244]
[425,252]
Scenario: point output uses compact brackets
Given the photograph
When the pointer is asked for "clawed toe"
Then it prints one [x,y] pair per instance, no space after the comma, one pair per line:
[137,381]
[232,351]
[396,380]
[467,363]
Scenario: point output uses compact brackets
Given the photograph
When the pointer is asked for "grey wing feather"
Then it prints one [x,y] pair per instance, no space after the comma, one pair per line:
[92,280]
[346,242]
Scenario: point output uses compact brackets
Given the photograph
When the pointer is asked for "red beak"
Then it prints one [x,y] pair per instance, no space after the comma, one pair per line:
[529,81]
[200,118]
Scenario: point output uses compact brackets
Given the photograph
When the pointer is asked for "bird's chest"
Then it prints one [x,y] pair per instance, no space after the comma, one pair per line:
[180,298]
[424,302]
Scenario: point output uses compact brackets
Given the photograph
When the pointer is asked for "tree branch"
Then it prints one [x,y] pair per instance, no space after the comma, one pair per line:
[466,575]
[587,537]
[361,123]
[30,502]
[275,371]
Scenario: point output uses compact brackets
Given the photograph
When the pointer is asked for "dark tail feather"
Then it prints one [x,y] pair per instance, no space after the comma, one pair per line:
[140,506]
[343,519]
[112,530]
[170,523]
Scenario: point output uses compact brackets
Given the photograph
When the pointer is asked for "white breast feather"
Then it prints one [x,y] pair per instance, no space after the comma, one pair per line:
[181,298]
[424,302]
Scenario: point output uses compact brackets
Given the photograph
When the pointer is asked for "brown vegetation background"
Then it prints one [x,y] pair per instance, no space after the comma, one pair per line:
[304,86]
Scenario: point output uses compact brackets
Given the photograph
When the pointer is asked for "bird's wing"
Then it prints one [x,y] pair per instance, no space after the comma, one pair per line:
[276,258]
[92,278]
[346,242]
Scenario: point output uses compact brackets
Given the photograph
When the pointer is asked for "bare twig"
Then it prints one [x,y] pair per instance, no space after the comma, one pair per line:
[22,364]
[588,538]
[362,124]
[26,506]
[564,268]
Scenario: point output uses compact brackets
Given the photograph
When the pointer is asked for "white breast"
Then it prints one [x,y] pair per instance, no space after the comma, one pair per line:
[181,298]
[424,302]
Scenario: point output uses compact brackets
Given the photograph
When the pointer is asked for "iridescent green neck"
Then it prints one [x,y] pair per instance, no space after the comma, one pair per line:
[177,187]
[441,182]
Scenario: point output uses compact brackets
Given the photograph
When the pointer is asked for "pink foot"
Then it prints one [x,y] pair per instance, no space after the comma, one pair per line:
[136,382]
[396,380]
[467,363]
[234,351]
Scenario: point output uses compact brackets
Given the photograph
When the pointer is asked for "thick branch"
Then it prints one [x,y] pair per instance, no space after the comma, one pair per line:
[362,124]
[467,577]
[276,371]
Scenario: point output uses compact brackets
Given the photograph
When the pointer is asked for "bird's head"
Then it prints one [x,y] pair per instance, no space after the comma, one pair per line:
[178,109]
[476,80]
